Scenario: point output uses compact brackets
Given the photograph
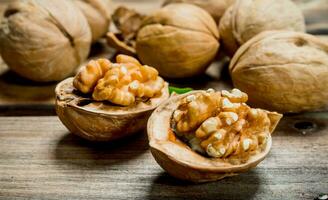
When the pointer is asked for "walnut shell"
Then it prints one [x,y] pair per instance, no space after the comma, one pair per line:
[283,71]
[246,18]
[181,161]
[215,7]
[179,40]
[44,40]
[97,12]
[98,121]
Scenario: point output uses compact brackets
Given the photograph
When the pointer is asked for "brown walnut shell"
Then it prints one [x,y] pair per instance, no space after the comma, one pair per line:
[215,7]
[283,71]
[179,40]
[97,12]
[247,18]
[44,40]
[127,22]
[179,160]
[100,121]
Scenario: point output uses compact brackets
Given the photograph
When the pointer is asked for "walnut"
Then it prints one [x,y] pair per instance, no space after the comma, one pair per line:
[97,12]
[194,109]
[283,71]
[127,59]
[179,40]
[215,7]
[87,77]
[230,130]
[106,101]
[120,83]
[246,18]
[44,40]
[231,139]
[127,22]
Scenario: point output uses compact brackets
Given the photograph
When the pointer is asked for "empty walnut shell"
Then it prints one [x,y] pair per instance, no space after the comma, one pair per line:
[97,12]
[179,40]
[246,18]
[99,121]
[283,71]
[44,40]
[179,160]
[215,7]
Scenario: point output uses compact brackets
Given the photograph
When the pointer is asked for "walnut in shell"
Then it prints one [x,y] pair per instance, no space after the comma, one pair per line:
[215,7]
[283,71]
[179,40]
[107,101]
[206,135]
[97,12]
[246,18]
[44,40]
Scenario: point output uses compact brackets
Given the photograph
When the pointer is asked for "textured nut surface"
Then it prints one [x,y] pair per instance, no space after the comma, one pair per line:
[86,79]
[97,12]
[194,109]
[246,18]
[188,162]
[100,121]
[44,40]
[180,40]
[215,7]
[120,83]
[128,22]
[283,71]
[223,131]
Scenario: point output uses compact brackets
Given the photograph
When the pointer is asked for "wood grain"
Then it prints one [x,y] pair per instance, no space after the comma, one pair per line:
[41,160]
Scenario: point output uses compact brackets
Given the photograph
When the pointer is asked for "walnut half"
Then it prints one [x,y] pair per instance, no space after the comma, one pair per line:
[222,125]
[221,136]
[107,101]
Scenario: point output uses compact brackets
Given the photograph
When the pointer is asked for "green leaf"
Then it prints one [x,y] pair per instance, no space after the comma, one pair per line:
[179,90]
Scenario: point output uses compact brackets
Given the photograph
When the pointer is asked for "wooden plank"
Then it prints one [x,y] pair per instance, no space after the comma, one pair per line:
[41,160]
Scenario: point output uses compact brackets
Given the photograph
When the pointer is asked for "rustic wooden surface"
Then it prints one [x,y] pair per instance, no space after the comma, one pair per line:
[40,159]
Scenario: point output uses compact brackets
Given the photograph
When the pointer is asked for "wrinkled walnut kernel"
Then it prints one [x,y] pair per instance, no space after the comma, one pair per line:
[119,83]
[221,124]
[88,76]
[194,109]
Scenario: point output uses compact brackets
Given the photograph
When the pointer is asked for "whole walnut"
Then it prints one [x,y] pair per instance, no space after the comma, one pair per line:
[44,40]
[98,14]
[179,40]
[215,7]
[283,71]
[246,18]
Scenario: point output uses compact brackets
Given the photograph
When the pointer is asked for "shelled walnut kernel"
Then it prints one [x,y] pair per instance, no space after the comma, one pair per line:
[120,83]
[221,125]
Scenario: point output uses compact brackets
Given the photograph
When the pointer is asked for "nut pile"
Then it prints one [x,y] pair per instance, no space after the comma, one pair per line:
[221,125]
[121,83]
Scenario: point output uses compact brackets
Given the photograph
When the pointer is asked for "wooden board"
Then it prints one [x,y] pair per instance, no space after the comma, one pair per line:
[41,160]
[19,96]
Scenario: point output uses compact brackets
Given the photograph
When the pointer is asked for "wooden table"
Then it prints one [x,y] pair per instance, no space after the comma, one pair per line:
[40,159]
